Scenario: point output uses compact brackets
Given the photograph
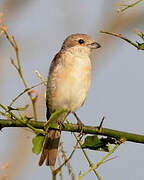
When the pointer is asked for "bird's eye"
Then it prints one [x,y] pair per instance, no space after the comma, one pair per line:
[81,41]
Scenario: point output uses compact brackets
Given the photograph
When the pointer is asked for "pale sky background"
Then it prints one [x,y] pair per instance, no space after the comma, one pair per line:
[117,90]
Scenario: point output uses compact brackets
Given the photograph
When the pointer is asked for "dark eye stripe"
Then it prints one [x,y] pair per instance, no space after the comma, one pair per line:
[81,41]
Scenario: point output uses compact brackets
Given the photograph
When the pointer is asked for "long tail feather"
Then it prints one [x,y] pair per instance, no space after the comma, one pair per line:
[50,149]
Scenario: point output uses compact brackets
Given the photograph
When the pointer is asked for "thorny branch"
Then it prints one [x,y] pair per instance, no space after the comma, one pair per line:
[137,138]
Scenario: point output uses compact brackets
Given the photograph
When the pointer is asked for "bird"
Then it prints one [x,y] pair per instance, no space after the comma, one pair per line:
[68,84]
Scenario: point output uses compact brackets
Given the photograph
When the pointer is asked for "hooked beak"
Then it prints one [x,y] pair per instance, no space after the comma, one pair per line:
[94,45]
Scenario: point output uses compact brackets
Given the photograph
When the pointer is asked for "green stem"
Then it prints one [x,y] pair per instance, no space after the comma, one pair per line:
[21,120]
[54,176]
[59,163]
[66,161]
[137,138]
[87,157]
[23,92]
[130,5]
[14,44]
[100,162]
[122,37]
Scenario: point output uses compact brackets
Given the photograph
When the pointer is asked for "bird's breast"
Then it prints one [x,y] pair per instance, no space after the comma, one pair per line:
[70,82]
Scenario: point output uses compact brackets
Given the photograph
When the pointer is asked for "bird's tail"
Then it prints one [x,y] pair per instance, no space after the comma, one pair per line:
[50,148]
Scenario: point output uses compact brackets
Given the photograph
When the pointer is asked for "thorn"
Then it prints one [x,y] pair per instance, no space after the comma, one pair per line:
[101,123]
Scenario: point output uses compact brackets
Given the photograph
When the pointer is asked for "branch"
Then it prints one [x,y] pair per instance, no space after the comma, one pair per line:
[139,46]
[137,138]
[68,165]
[129,6]
[100,162]
[26,90]
[87,157]
[13,42]
[122,37]
[66,161]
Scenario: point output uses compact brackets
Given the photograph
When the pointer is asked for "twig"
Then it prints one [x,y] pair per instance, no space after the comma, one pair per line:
[112,158]
[122,37]
[23,92]
[128,6]
[140,34]
[13,63]
[87,157]
[85,153]
[18,61]
[59,162]
[100,162]
[23,120]
[68,163]
[41,77]
[14,44]
[7,35]
[59,168]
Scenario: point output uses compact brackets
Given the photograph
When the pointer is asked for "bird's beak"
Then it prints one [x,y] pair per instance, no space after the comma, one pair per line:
[94,45]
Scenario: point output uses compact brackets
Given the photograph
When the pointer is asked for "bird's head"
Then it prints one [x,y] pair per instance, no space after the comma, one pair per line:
[82,41]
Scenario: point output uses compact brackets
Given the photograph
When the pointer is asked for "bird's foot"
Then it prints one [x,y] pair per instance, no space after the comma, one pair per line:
[80,124]
[60,122]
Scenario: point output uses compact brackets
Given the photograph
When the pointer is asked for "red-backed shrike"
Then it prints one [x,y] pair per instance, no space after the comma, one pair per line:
[67,86]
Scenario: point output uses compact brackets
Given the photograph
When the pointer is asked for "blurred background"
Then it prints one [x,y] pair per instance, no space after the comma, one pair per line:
[117,90]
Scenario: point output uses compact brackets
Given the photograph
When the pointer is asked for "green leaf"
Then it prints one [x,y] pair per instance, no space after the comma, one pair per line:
[95,143]
[38,141]
[140,46]
[22,116]
[18,108]
[52,120]
[92,141]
